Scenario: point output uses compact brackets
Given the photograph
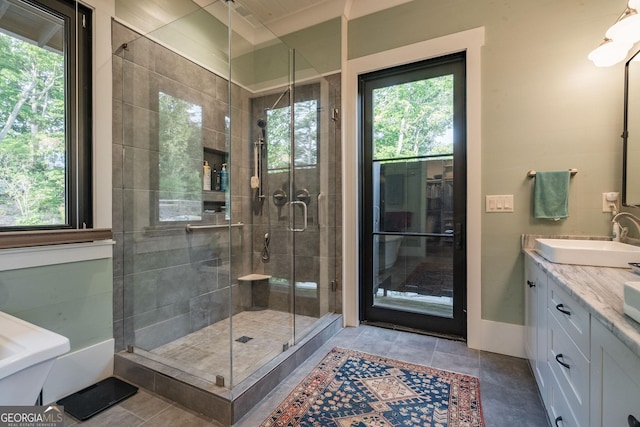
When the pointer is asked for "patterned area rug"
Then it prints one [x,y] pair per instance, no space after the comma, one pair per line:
[353,389]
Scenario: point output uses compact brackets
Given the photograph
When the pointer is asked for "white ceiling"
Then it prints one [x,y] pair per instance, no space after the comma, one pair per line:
[253,18]
[286,16]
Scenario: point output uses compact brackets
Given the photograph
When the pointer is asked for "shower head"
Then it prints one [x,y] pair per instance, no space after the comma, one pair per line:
[262,125]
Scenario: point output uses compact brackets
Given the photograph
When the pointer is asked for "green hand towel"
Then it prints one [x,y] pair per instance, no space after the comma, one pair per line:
[551,195]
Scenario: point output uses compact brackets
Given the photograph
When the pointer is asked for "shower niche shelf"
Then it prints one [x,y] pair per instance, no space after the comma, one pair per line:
[214,200]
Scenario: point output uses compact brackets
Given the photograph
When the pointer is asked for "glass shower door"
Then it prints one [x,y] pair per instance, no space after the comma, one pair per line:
[302,186]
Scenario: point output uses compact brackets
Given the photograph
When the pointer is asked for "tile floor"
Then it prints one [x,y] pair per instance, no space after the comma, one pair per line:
[205,353]
[508,391]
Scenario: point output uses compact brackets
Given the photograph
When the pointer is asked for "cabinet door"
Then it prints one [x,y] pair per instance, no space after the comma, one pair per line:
[536,321]
[615,380]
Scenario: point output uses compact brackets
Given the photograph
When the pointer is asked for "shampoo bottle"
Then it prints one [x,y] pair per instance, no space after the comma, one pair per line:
[215,179]
[206,176]
[224,178]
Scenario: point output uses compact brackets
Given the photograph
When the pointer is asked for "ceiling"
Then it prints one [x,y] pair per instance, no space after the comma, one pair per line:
[198,29]
[286,16]
[31,24]
[280,17]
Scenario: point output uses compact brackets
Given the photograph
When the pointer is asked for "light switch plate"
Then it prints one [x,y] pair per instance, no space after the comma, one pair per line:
[499,203]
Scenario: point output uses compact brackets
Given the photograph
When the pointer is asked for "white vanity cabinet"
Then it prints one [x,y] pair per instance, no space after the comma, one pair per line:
[535,295]
[568,358]
[587,376]
[615,380]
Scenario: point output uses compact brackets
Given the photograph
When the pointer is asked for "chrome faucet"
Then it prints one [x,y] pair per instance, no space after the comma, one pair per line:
[619,231]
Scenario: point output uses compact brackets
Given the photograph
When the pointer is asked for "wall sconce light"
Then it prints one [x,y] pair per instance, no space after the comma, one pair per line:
[619,38]
[610,52]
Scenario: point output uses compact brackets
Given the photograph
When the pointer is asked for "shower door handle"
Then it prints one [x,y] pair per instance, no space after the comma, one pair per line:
[292,225]
[321,207]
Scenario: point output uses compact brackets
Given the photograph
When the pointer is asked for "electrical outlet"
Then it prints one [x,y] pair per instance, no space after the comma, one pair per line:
[610,198]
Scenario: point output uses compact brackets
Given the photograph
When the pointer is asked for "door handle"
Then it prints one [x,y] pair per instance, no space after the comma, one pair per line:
[457,236]
[292,225]
[321,207]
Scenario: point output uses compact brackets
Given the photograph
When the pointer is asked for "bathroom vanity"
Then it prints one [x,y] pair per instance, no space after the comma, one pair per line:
[583,350]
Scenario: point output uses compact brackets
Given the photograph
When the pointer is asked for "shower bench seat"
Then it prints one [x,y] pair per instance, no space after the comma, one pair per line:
[259,289]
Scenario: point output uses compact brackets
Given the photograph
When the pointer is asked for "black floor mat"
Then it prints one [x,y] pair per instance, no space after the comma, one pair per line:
[94,399]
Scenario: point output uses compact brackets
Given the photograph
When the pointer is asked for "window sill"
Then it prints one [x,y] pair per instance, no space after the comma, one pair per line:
[24,239]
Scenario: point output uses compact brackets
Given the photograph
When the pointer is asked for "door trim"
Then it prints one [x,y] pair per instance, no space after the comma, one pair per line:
[453,66]
[470,41]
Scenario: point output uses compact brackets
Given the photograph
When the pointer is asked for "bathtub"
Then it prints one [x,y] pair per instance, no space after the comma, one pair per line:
[388,248]
[27,353]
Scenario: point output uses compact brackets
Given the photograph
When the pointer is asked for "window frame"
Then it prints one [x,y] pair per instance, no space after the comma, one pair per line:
[78,59]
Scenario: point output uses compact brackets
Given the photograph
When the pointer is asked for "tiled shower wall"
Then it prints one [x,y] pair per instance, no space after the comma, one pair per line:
[168,282]
[318,251]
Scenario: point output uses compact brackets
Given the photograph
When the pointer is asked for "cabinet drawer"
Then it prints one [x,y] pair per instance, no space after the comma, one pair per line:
[570,369]
[573,317]
[558,408]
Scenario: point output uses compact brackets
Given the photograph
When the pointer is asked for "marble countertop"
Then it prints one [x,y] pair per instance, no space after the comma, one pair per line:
[598,289]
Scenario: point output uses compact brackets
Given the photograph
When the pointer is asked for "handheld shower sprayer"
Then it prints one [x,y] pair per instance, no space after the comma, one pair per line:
[256,182]
[262,125]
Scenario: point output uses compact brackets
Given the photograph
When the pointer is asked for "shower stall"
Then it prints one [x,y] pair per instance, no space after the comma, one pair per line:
[226,196]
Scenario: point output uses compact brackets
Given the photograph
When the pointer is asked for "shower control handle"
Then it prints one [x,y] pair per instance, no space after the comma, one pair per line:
[292,225]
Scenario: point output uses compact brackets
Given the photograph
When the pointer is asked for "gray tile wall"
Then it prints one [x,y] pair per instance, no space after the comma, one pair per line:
[168,282]
[318,251]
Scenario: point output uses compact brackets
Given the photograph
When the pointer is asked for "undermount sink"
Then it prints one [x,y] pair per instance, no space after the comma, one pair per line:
[600,253]
[27,353]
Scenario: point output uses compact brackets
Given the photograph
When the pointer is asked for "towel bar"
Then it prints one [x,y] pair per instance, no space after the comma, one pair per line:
[532,173]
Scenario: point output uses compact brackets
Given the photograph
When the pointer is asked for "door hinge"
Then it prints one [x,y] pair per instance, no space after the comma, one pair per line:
[334,285]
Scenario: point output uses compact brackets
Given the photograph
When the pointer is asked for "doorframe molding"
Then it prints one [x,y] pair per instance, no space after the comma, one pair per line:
[470,41]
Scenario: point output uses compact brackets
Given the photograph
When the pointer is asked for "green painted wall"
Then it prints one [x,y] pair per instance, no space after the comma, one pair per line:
[318,45]
[544,107]
[73,299]
[317,52]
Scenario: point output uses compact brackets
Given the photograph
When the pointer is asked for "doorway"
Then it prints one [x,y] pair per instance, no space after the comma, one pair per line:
[413,207]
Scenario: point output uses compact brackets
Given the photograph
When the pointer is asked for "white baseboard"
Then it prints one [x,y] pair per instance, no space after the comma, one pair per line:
[74,371]
[498,337]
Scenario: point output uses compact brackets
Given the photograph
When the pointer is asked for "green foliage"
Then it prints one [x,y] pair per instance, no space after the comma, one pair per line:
[180,163]
[32,138]
[306,135]
[413,119]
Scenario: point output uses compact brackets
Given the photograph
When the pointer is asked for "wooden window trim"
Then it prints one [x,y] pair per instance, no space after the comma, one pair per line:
[24,239]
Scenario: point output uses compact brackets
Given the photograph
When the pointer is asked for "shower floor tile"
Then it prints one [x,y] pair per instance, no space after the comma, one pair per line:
[205,353]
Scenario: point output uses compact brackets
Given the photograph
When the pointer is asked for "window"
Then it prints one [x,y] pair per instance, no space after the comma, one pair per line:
[180,144]
[306,136]
[45,115]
